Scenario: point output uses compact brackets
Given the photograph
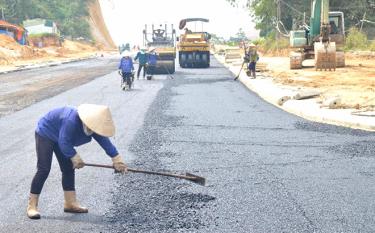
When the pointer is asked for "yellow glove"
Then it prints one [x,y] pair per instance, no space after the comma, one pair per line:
[119,164]
[77,162]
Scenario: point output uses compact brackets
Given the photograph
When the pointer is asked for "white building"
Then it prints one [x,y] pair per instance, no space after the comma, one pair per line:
[40,26]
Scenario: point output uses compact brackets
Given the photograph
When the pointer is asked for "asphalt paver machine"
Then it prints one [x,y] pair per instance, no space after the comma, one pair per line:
[163,39]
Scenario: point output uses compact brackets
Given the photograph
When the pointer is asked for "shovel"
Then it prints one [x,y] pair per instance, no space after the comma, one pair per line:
[188,176]
[239,72]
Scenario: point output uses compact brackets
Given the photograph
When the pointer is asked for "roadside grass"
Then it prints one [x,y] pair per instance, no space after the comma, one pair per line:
[372,46]
[272,46]
[357,41]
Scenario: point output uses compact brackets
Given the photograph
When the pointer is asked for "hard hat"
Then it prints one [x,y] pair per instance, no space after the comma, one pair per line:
[98,118]
[252,45]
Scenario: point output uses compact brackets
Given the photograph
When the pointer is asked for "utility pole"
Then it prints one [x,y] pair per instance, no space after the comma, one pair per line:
[364,18]
[2,14]
[278,18]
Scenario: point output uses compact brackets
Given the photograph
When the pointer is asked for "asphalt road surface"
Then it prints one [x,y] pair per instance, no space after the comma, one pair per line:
[266,170]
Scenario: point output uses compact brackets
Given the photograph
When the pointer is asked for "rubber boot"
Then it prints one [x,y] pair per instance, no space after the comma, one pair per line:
[71,204]
[32,207]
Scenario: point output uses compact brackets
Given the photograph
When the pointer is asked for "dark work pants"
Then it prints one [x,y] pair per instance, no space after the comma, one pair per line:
[139,70]
[44,150]
[127,77]
[252,68]
[151,69]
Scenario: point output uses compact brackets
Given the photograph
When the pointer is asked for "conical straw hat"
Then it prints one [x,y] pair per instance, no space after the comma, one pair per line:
[98,118]
[125,54]
[151,49]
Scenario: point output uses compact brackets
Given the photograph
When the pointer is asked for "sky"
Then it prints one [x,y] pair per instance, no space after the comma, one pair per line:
[126,19]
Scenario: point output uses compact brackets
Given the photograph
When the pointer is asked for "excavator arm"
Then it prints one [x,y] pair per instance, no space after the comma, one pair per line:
[324,49]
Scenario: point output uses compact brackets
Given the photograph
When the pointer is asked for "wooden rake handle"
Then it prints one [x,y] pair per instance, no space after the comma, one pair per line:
[188,176]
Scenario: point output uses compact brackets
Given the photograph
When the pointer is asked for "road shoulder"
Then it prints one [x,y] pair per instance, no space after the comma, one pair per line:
[279,95]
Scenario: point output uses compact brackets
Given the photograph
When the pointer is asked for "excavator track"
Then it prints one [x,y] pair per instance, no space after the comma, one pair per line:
[340,59]
[296,59]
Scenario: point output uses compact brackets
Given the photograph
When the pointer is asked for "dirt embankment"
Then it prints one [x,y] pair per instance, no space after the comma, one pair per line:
[98,28]
[14,54]
[354,84]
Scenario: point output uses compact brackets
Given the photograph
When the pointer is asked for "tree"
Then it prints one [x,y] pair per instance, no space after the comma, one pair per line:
[241,35]
[217,39]
[264,13]
[71,16]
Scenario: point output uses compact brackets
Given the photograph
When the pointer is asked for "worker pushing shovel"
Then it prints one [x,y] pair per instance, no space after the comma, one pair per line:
[250,59]
[59,131]
[64,128]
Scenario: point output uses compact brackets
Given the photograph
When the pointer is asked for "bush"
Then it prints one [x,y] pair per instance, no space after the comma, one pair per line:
[45,34]
[372,46]
[271,44]
[356,40]
[232,43]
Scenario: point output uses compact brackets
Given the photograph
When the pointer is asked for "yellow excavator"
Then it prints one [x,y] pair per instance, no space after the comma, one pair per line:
[194,46]
[323,40]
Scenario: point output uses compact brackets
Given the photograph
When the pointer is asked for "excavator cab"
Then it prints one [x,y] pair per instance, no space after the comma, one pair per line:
[337,28]
[336,20]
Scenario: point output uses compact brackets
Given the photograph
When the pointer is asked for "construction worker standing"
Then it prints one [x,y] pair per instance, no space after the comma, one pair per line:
[151,61]
[253,57]
[59,131]
[142,56]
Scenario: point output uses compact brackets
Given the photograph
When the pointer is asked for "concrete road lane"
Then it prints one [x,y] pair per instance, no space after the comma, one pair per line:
[94,185]
[21,89]
[266,170]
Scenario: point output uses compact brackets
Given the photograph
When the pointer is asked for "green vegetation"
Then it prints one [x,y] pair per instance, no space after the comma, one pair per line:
[238,38]
[264,13]
[70,16]
[271,44]
[43,35]
[372,46]
[356,40]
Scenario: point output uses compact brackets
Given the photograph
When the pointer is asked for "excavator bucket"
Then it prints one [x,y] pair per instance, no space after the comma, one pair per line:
[325,55]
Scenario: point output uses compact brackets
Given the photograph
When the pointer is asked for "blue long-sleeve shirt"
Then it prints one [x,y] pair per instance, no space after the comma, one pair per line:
[152,59]
[126,65]
[63,126]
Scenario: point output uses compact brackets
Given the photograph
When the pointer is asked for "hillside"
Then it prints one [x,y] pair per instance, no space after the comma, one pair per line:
[98,28]
[13,54]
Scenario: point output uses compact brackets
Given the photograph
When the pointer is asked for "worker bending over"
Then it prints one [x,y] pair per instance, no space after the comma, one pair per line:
[59,131]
